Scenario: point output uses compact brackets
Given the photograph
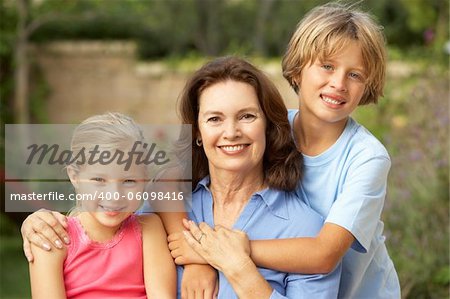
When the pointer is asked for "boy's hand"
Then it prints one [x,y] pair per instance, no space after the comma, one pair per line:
[43,228]
[199,282]
[181,252]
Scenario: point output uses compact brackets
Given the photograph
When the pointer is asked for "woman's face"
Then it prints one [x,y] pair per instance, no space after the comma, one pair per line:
[232,127]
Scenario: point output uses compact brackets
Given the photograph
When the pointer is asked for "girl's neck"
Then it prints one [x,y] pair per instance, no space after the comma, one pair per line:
[314,136]
[96,231]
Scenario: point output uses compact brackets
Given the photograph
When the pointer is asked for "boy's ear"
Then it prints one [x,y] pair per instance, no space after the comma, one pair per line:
[73,176]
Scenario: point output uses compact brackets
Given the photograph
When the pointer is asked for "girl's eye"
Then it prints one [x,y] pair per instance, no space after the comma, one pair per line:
[129,182]
[248,117]
[98,180]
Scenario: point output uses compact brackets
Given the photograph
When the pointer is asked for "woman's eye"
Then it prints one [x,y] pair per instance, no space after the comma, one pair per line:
[248,117]
[213,119]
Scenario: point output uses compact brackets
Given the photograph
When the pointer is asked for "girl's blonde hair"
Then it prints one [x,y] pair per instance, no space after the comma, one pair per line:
[325,31]
[109,131]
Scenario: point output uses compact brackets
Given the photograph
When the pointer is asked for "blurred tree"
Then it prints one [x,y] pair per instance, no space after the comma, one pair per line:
[263,15]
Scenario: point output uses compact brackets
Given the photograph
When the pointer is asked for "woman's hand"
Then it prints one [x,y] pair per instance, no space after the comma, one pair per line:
[181,252]
[199,282]
[43,228]
[224,249]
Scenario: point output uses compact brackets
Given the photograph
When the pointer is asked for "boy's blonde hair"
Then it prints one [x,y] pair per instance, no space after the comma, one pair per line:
[325,31]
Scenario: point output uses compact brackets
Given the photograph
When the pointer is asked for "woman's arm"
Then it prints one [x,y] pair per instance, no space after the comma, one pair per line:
[44,228]
[46,274]
[159,270]
[304,255]
[229,252]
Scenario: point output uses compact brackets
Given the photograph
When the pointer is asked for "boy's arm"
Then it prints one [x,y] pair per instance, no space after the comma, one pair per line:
[304,255]
[358,207]
[159,270]
[46,273]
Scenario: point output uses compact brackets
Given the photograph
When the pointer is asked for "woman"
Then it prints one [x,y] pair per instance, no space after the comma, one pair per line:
[245,166]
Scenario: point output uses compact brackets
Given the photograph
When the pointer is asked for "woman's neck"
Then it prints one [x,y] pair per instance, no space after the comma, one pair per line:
[314,136]
[231,192]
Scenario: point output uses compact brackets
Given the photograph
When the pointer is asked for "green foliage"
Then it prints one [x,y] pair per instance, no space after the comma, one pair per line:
[14,275]
[164,28]
[413,123]
[8,19]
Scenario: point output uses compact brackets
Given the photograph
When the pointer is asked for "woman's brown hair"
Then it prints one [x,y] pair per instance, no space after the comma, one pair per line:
[282,162]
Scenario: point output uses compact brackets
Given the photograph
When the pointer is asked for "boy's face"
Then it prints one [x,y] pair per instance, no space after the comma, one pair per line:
[330,90]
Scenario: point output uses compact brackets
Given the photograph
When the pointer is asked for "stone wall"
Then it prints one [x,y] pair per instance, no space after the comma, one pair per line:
[87,78]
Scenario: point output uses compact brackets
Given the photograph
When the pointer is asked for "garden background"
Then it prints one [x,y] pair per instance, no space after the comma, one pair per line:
[61,61]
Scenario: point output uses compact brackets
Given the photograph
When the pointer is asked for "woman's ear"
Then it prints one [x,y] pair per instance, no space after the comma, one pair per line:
[73,176]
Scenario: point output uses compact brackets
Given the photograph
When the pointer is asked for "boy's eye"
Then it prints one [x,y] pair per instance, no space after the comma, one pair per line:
[327,67]
[357,76]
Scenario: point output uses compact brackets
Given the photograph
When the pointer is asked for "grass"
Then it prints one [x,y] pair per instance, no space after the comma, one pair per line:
[14,278]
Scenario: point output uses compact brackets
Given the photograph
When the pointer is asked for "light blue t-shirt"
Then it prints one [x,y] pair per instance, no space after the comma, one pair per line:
[346,184]
[271,214]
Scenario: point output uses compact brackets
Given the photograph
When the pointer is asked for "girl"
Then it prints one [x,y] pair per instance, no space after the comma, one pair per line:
[113,253]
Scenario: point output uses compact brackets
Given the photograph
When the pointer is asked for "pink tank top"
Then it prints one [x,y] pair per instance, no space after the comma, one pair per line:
[105,270]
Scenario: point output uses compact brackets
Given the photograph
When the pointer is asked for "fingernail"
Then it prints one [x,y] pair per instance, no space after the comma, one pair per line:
[46,246]
[66,240]
[58,244]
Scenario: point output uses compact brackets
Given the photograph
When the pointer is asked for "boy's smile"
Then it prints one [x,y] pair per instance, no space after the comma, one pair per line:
[330,90]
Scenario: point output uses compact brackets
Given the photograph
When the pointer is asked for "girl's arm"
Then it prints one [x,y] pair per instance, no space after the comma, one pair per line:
[159,270]
[304,255]
[46,274]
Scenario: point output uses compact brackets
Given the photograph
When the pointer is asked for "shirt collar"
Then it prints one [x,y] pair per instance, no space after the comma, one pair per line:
[274,199]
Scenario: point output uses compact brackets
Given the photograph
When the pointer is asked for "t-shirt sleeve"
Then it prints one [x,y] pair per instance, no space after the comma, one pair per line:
[317,286]
[360,201]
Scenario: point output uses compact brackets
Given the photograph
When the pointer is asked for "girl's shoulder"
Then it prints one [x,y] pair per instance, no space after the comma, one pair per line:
[151,225]
[147,221]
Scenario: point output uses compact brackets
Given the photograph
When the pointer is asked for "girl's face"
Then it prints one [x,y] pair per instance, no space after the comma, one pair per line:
[232,127]
[109,192]
[330,90]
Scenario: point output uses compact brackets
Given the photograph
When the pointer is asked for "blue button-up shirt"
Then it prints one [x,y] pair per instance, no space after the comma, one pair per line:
[271,214]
